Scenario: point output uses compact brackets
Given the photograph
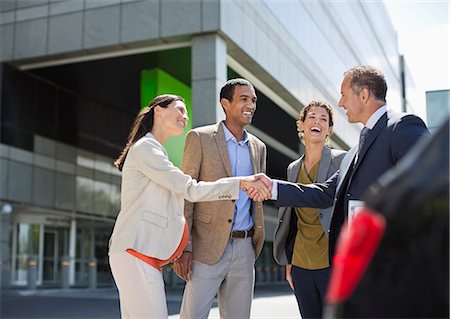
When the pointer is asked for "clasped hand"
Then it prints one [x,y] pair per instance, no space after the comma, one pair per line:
[258,187]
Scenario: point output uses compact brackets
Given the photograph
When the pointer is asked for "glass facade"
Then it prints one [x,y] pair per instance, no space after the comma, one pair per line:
[57,173]
[351,32]
[26,238]
[438,108]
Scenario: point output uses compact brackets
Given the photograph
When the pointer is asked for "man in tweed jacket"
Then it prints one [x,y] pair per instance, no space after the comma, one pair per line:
[226,236]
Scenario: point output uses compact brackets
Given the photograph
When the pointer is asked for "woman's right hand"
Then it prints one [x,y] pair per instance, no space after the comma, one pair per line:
[288,276]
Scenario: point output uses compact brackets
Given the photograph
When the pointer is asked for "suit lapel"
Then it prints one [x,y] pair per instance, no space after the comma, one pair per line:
[293,174]
[295,169]
[253,154]
[350,157]
[371,137]
[222,148]
[325,163]
[345,166]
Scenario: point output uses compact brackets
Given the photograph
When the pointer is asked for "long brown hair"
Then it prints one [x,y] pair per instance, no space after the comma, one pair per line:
[144,123]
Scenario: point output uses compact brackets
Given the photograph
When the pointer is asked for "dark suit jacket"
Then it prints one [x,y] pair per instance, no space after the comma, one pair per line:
[390,139]
[286,231]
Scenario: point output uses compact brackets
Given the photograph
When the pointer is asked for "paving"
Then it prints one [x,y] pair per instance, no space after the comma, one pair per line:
[270,301]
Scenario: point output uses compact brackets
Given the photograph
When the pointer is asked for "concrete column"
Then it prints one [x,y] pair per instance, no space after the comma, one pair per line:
[209,74]
[92,266]
[72,250]
[65,264]
[32,272]
[5,213]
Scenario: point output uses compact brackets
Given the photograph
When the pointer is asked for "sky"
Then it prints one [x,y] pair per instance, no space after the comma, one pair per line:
[423,38]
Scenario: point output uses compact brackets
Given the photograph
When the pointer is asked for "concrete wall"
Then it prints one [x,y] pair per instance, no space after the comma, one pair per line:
[35,29]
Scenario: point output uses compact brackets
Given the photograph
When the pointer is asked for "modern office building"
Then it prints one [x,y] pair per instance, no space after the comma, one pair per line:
[411,96]
[438,108]
[74,73]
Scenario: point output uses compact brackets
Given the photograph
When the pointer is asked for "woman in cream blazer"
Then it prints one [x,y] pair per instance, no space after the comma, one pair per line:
[150,230]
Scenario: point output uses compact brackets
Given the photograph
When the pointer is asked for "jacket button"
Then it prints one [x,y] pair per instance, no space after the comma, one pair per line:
[230,220]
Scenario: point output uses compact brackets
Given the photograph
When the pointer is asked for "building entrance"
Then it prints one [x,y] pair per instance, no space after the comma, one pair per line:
[55,246]
[51,241]
[45,245]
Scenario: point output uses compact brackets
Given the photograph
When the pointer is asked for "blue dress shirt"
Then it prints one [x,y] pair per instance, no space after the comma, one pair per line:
[241,165]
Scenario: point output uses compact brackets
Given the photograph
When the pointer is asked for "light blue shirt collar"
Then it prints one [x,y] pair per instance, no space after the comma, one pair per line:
[229,135]
[373,119]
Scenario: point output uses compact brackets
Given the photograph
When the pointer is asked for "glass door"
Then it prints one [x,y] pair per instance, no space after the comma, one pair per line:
[50,257]
[25,240]
[47,244]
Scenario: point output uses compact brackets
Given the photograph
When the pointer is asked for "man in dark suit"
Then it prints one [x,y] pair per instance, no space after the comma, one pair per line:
[386,138]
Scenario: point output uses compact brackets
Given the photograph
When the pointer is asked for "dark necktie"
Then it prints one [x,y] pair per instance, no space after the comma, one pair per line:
[362,137]
[339,213]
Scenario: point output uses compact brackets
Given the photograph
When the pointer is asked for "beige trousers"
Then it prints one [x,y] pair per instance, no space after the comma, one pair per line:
[232,278]
[141,287]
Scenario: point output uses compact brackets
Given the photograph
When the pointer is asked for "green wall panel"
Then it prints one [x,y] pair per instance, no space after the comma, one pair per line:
[155,82]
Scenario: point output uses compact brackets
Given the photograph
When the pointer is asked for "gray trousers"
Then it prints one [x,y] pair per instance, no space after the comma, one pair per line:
[232,278]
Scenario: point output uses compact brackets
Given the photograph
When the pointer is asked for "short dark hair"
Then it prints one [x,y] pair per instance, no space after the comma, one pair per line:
[368,77]
[227,90]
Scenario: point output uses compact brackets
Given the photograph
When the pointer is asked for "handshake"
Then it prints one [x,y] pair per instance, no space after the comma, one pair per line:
[258,187]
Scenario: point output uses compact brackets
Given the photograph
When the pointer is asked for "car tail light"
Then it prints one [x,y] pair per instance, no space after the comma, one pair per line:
[356,247]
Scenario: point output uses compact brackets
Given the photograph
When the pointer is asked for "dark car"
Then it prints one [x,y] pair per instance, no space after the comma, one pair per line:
[408,276]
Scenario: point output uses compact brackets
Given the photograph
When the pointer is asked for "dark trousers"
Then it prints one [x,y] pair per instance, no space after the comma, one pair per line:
[310,287]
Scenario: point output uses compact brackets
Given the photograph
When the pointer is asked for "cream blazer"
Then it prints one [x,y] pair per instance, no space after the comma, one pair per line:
[151,219]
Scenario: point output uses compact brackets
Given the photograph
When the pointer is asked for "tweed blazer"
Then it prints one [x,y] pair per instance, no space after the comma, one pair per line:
[151,219]
[206,158]
[284,236]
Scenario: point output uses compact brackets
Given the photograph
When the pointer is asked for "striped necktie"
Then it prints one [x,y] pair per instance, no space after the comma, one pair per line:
[362,137]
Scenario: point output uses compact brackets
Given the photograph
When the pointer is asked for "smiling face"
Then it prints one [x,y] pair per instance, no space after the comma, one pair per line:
[241,108]
[316,125]
[172,119]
